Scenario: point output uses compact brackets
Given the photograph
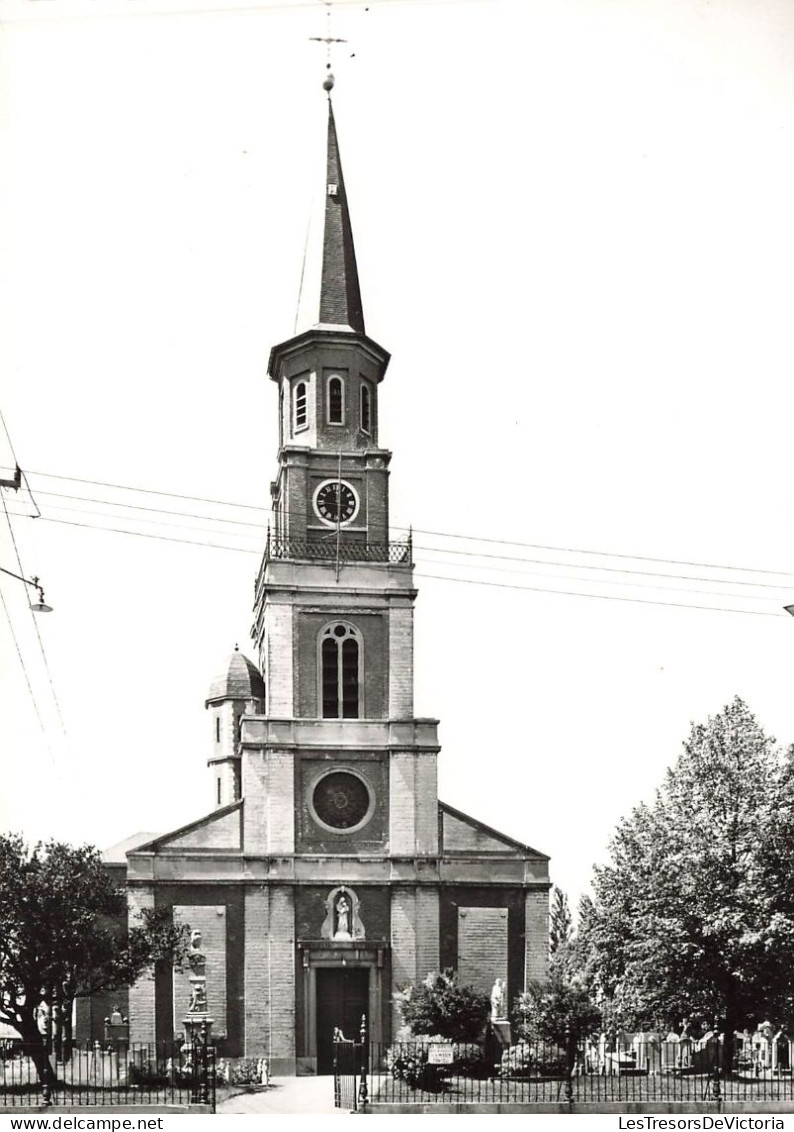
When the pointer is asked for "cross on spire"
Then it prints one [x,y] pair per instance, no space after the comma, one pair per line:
[328,40]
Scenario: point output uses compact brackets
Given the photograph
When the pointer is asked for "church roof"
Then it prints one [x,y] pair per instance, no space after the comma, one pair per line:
[238,679]
[117,854]
[462,833]
[330,295]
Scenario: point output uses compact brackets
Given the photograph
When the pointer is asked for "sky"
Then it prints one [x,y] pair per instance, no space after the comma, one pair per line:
[574,234]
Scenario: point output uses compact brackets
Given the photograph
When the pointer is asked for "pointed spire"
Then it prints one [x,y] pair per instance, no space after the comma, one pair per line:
[340,294]
[330,292]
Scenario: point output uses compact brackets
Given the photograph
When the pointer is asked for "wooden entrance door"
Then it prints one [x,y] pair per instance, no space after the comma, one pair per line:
[342,997]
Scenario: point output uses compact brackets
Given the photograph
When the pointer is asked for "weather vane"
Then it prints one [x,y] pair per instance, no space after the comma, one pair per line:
[327,39]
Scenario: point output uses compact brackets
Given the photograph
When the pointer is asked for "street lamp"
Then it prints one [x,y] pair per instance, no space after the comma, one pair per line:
[40,606]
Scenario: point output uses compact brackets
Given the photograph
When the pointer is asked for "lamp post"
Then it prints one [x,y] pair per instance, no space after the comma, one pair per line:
[40,606]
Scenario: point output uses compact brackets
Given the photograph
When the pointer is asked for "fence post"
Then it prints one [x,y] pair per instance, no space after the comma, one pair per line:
[363,1092]
[717,1086]
[568,1066]
[337,1070]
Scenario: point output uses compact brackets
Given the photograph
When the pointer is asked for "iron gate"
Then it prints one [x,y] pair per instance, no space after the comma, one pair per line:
[350,1070]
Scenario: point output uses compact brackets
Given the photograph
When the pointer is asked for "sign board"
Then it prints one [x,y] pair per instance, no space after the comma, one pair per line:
[439,1053]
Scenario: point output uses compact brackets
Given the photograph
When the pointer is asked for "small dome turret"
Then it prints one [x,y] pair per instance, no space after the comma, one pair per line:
[238,679]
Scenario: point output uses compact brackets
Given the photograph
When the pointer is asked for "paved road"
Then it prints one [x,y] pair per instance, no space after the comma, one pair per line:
[287,1095]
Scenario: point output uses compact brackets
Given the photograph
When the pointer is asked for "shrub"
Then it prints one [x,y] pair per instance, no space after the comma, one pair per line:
[407,1061]
[470,1062]
[527,1060]
[147,1073]
[559,1009]
[441,1005]
[244,1071]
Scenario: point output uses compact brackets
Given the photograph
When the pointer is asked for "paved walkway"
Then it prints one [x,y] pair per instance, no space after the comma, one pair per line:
[290,1095]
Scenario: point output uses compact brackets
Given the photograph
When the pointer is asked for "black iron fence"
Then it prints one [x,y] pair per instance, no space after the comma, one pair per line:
[420,1072]
[155,1074]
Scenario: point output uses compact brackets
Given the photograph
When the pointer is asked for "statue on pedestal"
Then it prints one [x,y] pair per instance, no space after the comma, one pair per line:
[198,997]
[196,958]
[498,1001]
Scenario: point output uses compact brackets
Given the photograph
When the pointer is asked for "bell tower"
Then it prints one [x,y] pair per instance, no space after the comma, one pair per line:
[339,778]
[333,614]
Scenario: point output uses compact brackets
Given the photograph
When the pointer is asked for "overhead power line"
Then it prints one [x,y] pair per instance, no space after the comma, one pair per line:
[148,491]
[35,623]
[433,533]
[32,694]
[602,597]
[448,578]
[475,565]
[153,510]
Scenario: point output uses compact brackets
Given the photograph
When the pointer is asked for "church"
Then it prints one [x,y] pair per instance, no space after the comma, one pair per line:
[327,875]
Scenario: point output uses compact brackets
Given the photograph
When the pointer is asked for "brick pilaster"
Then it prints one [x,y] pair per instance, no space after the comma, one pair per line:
[401,662]
[427,931]
[270,976]
[403,944]
[536,940]
[142,991]
[255,972]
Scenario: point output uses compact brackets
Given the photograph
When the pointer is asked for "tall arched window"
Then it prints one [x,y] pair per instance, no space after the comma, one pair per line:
[340,671]
[366,408]
[336,400]
[300,412]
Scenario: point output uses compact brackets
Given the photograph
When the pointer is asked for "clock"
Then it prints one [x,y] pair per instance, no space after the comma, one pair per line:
[341,801]
[336,502]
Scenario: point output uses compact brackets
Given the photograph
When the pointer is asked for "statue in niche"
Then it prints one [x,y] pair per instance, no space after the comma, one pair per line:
[342,918]
[498,1001]
[342,921]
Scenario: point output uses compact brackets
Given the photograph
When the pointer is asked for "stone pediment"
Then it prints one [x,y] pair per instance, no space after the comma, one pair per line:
[219,830]
[463,834]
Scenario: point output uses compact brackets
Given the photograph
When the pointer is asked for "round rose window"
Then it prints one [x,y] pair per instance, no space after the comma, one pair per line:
[341,801]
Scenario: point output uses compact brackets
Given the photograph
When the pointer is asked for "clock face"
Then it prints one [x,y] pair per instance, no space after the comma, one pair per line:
[336,502]
[341,801]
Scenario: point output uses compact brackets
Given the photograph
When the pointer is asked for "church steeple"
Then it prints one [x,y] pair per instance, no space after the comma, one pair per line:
[340,294]
[330,295]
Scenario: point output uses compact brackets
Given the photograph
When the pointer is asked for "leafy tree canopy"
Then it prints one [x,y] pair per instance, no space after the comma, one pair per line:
[63,931]
[559,1009]
[443,1006]
[694,915]
[559,920]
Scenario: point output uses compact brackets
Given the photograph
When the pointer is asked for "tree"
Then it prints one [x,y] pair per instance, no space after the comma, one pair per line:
[559,1009]
[694,916]
[559,920]
[63,934]
[443,1006]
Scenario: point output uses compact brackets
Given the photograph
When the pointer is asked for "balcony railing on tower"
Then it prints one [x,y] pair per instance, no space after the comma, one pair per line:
[338,550]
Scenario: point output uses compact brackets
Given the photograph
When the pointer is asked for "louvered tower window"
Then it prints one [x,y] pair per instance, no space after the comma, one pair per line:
[300,406]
